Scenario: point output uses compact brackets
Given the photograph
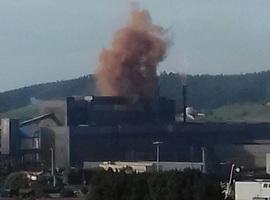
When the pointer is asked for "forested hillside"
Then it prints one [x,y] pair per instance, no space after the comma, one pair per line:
[21,97]
[208,91]
[204,91]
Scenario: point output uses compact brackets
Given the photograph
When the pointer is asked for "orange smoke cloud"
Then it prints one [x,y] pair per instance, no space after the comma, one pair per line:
[129,67]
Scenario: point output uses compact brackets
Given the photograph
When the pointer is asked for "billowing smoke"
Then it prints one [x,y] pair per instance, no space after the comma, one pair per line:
[129,67]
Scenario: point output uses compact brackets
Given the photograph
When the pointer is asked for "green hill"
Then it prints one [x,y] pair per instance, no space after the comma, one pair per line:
[240,113]
[56,90]
[23,113]
[230,113]
[204,91]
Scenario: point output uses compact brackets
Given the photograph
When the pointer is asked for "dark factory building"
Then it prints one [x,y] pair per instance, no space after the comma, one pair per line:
[108,110]
[108,128]
[240,143]
[95,129]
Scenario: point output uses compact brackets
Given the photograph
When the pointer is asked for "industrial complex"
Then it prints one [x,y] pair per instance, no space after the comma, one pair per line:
[93,129]
[127,129]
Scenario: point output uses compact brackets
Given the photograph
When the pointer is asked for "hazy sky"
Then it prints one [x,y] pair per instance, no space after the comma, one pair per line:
[49,40]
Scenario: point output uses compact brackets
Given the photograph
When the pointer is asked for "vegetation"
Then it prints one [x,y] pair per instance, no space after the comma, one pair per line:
[21,97]
[19,185]
[107,185]
[23,113]
[204,91]
[209,92]
[171,185]
[240,113]
[16,181]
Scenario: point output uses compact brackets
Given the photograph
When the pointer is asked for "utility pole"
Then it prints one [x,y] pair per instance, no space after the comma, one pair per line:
[157,143]
[228,189]
[53,166]
[203,160]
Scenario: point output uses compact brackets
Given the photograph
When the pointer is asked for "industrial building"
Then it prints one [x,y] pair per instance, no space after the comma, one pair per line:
[96,129]
[62,121]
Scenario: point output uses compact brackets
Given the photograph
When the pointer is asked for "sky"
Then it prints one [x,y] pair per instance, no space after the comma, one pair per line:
[50,40]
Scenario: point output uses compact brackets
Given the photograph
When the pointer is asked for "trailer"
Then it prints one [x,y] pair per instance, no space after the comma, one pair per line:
[252,190]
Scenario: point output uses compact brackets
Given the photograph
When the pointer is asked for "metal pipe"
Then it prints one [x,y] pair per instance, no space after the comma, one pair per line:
[39,118]
[157,143]
[53,166]
[203,160]
[157,158]
[184,94]
[228,189]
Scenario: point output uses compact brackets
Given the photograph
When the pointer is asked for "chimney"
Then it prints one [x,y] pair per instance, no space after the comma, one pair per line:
[184,93]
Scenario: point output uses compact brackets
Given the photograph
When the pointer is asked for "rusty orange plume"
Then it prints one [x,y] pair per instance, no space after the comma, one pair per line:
[129,67]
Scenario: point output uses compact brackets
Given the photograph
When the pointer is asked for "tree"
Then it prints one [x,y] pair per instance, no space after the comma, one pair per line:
[16,181]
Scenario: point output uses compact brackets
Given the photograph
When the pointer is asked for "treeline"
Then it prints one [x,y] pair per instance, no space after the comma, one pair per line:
[213,91]
[187,185]
[55,90]
[98,184]
[204,91]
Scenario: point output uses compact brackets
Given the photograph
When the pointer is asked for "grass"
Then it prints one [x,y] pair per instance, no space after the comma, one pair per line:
[240,113]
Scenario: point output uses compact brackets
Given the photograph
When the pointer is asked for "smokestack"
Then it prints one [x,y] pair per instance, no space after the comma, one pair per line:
[183,78]
[184,93]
